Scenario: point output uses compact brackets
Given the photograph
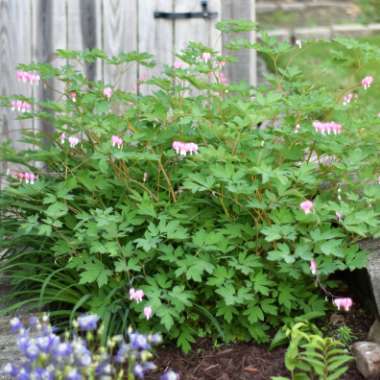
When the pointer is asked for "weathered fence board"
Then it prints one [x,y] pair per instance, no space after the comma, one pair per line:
[245,67]
[120,35]
[155,36]
[15,48]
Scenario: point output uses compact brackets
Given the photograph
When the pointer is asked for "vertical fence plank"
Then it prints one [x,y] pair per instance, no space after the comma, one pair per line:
[245,68]
[214,36]
[120,35]
[50,34]
[196,29]
[155,36]
[15,48]
[85,32]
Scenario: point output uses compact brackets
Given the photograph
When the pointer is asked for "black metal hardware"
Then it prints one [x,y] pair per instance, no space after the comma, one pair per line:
[205,13]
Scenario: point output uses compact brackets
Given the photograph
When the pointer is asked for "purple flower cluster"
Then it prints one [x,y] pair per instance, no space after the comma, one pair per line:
[48,356]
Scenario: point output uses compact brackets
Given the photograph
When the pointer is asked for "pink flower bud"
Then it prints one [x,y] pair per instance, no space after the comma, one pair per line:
[73,141]
[313,267]
[206,57]
[136,295]
[148,312]
[73,96]
[327,127]
[183,148]
[107,92]
[343,303]
[307,206]
[347,99]
[221,78]
[20,75]
[179,65]
[20,176]
[25,76]
[339,216]
[367,82]
[117,141]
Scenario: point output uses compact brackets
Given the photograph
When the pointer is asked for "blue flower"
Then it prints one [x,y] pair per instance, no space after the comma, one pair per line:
[42,374]
[81,353]
[104,369]
[32,352]
[33,321]
[139,341]
[139,371]
[23,374]
[73,374]
[9,370]
[170,375]
[63,349]
[122,353]
[23,342]
[155,339]
[88,322]
[16,324]
[47,342]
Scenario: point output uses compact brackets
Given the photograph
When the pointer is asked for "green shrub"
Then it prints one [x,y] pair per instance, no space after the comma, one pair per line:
[370,10]
[217,240]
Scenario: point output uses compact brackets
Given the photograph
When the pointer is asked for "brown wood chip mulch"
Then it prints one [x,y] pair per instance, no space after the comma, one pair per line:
[246,361]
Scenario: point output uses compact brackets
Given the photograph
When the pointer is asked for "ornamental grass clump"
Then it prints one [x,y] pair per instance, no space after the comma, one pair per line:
[208,199]
[79,355]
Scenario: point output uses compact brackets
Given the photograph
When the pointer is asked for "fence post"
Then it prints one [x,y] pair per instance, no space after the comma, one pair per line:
[245,68]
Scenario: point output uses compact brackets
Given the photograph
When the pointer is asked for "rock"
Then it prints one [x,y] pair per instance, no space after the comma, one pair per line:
[316,33]
[350,30]
[372,246]
[367,357]
[374,332]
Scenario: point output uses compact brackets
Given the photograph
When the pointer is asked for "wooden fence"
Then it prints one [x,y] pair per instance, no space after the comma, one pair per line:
[31,30]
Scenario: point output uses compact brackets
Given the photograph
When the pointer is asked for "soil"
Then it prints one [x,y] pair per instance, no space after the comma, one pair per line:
[249,361]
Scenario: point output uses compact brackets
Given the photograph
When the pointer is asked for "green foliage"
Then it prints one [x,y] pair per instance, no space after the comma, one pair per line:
[311,356]
[216,240]
[370,10]
[345,335]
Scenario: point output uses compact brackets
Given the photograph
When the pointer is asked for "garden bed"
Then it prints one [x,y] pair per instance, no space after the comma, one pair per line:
[249,361]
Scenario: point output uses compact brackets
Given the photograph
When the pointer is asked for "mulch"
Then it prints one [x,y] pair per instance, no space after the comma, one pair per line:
[249,361]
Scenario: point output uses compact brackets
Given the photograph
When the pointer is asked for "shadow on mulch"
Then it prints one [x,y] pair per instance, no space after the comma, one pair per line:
[248,361]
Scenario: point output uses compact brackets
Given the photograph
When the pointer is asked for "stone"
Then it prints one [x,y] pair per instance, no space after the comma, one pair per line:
[367,357]
[293,7]
[375,28]
[374,332]
[372,246]
[317,33]
[280,34]
[350,30]
[266,7]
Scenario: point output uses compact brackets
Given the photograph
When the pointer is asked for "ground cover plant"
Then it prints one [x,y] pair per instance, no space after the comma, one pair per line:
[312,356]
[220,209]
